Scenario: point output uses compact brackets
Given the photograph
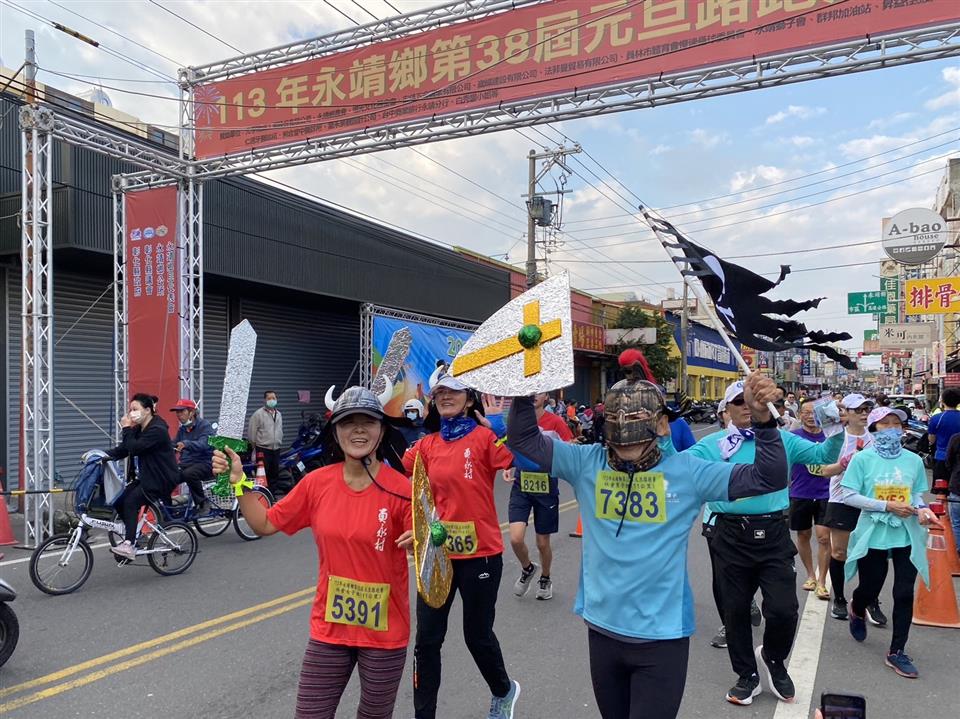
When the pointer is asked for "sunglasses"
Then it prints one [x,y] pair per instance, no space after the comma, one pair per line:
[738,402]
[860,410]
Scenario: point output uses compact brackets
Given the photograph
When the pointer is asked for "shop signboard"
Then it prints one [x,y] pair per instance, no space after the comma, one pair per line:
[933,296]
[589,337]
[907,335]
[914,236]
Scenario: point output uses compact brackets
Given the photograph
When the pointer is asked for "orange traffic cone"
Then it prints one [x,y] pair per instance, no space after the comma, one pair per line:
[936,605]
[953,554]
[6,533]
[579,532]
[261,479]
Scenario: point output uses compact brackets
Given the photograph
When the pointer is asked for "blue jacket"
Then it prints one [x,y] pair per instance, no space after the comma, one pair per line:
[196,450]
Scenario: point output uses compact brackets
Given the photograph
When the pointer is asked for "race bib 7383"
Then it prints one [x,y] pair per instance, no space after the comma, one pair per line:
[361,604]
[644,503]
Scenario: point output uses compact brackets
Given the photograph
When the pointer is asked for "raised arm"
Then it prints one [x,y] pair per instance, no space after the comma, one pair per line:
[524,435]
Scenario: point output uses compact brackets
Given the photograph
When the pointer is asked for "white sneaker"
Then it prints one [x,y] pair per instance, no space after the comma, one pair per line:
[545,588]
[125,549]
[525,580]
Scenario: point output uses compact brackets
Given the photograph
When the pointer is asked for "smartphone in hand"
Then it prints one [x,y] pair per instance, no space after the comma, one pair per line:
[836,705]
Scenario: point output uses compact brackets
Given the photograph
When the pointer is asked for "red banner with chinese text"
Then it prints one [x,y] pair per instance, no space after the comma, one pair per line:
[553,47]
[152,278]
[588,337]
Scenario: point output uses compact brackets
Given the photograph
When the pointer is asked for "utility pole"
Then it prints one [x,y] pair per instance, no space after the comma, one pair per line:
[531,222]
[684,323]
[539,210]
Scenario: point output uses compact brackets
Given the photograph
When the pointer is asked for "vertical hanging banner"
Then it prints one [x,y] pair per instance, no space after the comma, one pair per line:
[152,299]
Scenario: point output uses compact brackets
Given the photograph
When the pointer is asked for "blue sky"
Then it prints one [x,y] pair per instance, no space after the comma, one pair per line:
[673,157]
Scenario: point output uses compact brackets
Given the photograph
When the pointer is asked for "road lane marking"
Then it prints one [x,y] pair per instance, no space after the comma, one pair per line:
[150,643]
[144,658]
[165,639]
[805,658]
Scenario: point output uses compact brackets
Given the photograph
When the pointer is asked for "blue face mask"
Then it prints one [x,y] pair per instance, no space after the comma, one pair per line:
[887,442]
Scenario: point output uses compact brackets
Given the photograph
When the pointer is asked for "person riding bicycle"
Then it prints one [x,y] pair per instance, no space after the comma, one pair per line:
[196,454]
[152,474]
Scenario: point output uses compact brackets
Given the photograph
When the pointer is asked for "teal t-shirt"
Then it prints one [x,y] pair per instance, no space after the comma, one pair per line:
[901,479]
[798,450]
[636,585]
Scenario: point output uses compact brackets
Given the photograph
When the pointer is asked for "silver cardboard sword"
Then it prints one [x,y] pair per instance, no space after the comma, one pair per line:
[233,403]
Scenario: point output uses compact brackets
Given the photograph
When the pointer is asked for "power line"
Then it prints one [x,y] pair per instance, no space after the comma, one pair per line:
[365,10]
[197,27]
[334,7]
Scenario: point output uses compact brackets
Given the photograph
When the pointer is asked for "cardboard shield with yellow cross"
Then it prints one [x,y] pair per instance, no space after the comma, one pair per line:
[526,347]
[433,567]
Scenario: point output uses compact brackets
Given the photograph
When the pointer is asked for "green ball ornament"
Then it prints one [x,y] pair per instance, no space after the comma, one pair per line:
[438,534]
[529,336]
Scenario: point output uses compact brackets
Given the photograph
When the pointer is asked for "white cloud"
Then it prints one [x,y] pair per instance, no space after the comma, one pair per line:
[801,112]
[882,123]
[801,141]
[707,139]
[862,147]
[951,98]
[743,180]
[660,149]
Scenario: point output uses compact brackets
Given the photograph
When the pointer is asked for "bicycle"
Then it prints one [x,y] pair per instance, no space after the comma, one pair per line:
[62,563]
[225,511]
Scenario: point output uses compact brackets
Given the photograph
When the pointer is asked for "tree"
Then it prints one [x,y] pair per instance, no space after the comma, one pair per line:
[658,355]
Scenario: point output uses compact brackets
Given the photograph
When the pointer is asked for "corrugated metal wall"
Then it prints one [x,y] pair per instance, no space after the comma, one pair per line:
[301,348]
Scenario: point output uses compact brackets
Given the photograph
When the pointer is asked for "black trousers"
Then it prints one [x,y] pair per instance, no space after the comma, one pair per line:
[750,554]
[872,570]
[477,581]
[128,507]
[708,531]
[271,464]
[194,475]
[638,681]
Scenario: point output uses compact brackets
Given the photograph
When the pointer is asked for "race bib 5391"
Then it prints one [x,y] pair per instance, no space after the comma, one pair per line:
[461,537]
[361,604]
[535,482]
[644,503]
[892,492]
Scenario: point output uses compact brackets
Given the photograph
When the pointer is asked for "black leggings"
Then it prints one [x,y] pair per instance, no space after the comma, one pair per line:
[872,570]
[634,681]
[129,509]
[477,581]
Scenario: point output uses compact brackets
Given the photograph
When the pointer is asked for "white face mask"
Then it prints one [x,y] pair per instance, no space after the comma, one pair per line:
[136,415]
[413,416]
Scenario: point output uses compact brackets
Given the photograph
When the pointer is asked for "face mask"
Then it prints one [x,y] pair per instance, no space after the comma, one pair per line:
[271,403]
[136,415]
[413,416]
[887,442]
[187,422]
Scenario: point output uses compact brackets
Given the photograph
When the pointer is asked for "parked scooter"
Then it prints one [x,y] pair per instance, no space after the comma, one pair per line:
[9,626]
[916,440]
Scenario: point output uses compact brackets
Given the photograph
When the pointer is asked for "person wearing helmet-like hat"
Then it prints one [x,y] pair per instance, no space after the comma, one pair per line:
[638,499]
[411,426]
[359,510]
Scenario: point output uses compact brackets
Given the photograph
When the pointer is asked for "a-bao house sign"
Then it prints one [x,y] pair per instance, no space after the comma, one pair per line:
[914,236]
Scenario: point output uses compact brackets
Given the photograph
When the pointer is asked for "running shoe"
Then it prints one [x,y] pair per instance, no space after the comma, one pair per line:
[858,626]
[545,588]
[755,616]
[525,580]
[125,549]
[875,616]
[720,638]
[744,690]
[502,707]
[823,593]
[839,610]
[774,677]
[902,665]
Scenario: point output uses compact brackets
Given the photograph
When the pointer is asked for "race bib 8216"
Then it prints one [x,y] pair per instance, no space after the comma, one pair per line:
[361,604]
[535,482]
[644,503]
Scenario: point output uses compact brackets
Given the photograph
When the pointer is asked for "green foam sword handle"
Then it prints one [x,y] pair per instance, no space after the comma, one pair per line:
[222,487]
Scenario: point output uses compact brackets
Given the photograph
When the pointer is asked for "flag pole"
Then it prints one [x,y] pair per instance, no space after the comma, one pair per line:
[704,301]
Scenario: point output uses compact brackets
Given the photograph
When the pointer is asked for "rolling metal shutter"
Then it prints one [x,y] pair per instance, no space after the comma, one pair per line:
[302,348]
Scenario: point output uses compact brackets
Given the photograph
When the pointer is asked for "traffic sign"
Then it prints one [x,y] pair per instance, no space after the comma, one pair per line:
[866,303]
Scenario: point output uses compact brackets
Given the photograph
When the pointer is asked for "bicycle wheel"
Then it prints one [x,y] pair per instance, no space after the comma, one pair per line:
[56,569]
[179,545]
[240,524]
[212,525]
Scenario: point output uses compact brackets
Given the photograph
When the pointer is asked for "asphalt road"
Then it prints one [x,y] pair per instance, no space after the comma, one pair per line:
[226,640]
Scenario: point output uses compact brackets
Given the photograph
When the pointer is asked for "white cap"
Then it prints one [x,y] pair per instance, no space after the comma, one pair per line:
[722,406]
[852,401]
[733,391]
[450,382]
[879,413]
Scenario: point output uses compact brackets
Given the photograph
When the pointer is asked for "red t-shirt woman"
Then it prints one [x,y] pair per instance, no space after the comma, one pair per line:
[462,461]
[360,514]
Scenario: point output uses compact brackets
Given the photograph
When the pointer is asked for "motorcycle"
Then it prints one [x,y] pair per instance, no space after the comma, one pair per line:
[9,626]
[916,440]
[702,413]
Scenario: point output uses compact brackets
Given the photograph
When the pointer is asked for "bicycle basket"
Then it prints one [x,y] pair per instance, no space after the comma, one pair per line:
[217,501]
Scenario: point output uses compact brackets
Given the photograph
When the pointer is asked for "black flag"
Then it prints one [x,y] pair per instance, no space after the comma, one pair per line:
[741,306]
